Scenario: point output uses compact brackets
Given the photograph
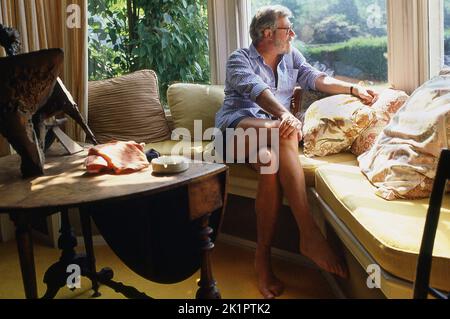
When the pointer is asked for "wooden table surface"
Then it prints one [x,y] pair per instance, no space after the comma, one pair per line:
[66,182]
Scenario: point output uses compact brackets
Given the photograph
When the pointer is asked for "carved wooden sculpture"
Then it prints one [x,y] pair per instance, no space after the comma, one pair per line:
[30,93]
[10,40]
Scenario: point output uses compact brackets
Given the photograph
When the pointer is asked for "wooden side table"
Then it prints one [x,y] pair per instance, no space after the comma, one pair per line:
[201,190]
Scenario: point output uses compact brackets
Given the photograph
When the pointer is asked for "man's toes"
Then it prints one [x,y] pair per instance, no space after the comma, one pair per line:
[339,269]
[277,290]
[267,294]
[343,272]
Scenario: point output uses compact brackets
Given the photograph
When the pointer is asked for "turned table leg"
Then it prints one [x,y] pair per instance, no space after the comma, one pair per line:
[89,246]
[25,249]
[56,275]
[207,284]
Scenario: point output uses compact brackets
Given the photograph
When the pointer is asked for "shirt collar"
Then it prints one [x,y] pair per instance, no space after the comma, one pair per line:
[254,54]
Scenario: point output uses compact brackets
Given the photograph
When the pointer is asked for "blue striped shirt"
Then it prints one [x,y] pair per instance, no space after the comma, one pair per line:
[248,76]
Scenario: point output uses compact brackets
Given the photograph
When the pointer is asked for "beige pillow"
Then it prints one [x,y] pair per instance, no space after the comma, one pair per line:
[332,124]
[189,102]
[403,160]
[388,103]
[445,71]
[127,108]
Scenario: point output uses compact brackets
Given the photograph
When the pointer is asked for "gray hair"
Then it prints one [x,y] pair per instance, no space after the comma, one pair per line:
[266,18]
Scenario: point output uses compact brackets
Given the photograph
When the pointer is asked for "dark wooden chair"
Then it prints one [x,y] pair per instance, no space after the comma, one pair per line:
[296,100]
[422,280]
[302,99]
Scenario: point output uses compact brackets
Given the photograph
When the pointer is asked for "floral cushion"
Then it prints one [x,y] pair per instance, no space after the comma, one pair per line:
[402,162]
[332,124]
[308,97]
[388,103]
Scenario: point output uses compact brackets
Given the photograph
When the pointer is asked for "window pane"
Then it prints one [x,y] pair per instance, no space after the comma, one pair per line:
[447,32]
[169,37]
[345,38]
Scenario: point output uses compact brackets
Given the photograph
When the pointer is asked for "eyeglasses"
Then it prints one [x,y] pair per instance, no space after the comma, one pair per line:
[288,29]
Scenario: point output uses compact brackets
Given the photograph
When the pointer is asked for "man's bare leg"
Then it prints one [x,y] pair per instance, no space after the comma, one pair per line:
[267,207]
[312,243]
[291,177]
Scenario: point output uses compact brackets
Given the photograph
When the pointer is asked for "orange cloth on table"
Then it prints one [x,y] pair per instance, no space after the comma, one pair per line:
[120,157]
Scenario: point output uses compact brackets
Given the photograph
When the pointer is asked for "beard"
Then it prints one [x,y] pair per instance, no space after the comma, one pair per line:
[283,47]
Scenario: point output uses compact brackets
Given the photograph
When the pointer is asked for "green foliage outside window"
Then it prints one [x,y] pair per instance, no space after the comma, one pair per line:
[447,15]
[108,39]
[366,16]
[334,29]
[350,58]
[344,37]
[167,36]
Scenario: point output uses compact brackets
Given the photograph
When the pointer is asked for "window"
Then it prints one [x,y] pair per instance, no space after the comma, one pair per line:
[447,32]
[345,38]
[167,36]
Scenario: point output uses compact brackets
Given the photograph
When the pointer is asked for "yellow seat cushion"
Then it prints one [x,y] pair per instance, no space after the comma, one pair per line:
[186,148]
[309,166]
[197,148]
[391,231]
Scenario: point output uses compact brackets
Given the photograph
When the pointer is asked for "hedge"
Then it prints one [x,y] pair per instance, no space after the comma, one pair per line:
[447,42]
[362,58]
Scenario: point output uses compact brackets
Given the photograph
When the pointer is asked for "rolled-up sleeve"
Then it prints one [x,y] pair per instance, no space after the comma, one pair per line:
[307,74]
[242,78]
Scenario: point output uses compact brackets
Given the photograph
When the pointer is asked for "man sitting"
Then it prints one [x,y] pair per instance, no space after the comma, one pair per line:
[259,86]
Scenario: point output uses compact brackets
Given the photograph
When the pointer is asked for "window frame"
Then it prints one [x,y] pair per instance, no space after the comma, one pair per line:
[415,45]
[436,33]
[228,30]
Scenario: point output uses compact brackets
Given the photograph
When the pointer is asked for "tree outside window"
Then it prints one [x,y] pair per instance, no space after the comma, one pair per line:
[167,36]
[345,38]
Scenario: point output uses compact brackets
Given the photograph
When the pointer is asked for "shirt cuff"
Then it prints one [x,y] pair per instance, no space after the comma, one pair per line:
[314,77]
[257,90]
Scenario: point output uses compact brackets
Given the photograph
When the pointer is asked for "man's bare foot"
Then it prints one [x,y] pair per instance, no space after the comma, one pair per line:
[314,246]
[268,284]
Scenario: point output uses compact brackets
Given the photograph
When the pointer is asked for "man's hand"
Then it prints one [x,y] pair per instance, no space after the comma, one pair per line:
[290,125]
[368,97]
